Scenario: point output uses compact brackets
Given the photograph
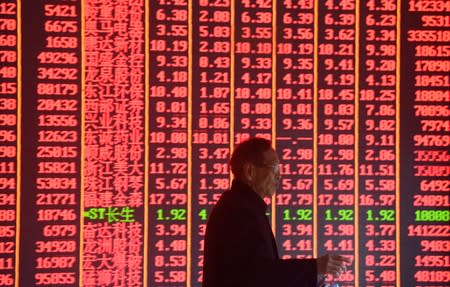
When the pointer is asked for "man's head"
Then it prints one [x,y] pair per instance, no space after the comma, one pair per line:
[255,162]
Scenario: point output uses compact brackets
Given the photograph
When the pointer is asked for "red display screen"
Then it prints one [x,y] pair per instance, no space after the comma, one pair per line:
[117,118]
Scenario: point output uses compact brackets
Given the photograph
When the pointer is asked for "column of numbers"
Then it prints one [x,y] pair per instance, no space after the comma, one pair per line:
[168,169]
[8,140]
[336,137]
[294,94]
[211,125]
[58,76]
[253,69]
[378,161]
[426,204]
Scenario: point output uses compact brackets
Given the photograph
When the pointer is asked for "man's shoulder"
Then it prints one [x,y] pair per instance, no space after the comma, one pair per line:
[233,199]
[232,207]
[227,201]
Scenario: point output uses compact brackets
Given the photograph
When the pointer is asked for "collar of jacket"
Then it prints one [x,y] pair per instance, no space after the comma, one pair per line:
[249,194]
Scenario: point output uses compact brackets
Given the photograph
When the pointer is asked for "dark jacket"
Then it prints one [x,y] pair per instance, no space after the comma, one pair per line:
[240,250]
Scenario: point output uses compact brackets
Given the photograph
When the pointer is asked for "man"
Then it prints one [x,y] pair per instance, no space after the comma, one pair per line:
[240,249]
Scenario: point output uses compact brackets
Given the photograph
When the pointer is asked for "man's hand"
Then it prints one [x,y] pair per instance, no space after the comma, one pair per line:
[332,264]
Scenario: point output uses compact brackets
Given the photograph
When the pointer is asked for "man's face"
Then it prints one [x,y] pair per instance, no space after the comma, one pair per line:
[266,174]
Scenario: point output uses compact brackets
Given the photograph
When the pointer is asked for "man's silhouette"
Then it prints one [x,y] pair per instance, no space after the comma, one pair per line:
[240,249]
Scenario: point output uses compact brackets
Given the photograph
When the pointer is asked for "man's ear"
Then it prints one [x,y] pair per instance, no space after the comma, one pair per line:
[248,171]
